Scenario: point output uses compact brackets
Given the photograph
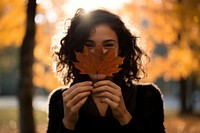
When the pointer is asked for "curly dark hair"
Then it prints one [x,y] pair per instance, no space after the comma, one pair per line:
[78,32]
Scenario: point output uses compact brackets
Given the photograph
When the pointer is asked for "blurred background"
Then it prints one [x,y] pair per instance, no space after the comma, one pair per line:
[169,30]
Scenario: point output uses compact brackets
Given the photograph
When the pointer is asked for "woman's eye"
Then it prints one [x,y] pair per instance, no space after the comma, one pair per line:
[109,45]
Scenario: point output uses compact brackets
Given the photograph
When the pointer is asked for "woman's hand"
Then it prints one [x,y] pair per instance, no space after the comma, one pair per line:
[73,100]
[111,94]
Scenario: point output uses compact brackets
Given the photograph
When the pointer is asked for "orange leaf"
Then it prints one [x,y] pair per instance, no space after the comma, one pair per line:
[98,62]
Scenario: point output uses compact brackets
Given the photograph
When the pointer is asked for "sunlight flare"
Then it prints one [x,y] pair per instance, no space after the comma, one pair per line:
[71,6]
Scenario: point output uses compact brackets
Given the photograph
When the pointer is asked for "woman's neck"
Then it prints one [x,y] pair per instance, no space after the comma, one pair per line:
[102,107]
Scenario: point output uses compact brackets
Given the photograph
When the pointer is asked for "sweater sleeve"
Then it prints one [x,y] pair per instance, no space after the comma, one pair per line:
[149,114]
[55,113]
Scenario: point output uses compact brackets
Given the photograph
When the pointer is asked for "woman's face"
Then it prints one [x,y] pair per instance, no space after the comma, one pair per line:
[104,37]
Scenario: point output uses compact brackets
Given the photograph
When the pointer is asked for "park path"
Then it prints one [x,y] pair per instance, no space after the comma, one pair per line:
[39,102]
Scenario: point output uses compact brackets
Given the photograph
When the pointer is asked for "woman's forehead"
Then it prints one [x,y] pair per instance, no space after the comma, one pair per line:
[102,31]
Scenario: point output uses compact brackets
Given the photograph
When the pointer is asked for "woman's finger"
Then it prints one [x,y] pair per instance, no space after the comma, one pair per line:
[72,102]
[76,107]
[111,103]
[77,91]
[77,85]
[107,88]
[106,82]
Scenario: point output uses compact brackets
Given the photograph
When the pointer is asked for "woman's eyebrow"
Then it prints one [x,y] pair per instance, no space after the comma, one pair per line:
[104,41]
[109,40]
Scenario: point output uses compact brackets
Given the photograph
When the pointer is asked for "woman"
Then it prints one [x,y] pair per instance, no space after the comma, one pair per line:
[95,102]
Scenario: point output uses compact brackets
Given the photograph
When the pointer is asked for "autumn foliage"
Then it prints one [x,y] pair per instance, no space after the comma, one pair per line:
[150,20]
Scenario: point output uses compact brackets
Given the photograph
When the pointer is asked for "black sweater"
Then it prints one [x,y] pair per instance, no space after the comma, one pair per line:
[144,102]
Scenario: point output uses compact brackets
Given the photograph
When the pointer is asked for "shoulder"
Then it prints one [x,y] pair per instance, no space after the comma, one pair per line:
[149,99]
[56,94]
[149,90]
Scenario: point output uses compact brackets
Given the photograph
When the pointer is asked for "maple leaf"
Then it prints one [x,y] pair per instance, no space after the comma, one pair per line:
[98,62]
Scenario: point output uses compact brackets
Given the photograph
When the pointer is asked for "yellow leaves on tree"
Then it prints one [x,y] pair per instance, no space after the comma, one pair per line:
[98,62]
[44,79]
[182,61]
[12,22]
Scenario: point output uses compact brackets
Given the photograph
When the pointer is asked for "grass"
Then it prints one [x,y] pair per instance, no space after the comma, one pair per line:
[173,123]
[9,120]
[182,124]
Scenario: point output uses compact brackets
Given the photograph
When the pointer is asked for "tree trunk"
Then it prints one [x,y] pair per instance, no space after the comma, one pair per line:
[183,96]
[27,124]
[193,87]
